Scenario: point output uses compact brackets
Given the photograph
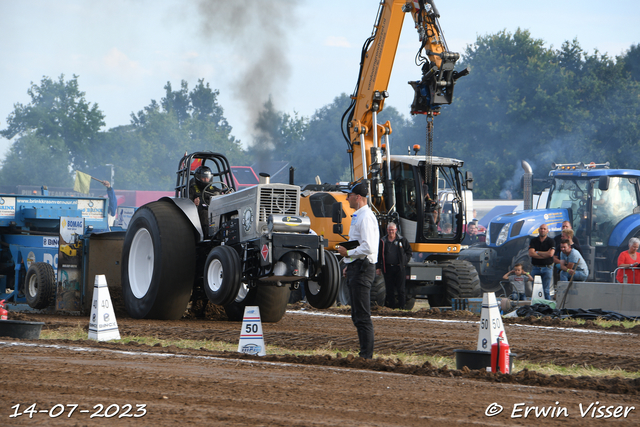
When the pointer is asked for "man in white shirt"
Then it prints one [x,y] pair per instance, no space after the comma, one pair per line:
[361,264]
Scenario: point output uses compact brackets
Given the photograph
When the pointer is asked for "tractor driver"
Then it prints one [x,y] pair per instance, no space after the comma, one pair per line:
[201,190]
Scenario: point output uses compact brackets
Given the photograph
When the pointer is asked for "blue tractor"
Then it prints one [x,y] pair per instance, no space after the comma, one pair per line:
[600,203]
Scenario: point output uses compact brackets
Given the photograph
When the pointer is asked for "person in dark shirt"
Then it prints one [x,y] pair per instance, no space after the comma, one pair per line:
[394,252]
[432,217]
[541,251]
[567,226]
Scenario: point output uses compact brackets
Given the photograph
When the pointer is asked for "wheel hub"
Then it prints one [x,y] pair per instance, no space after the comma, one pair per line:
[215,275]
[33,286]
[141,263]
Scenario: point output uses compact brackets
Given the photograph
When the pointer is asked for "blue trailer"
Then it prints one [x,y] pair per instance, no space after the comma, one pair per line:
[29,247]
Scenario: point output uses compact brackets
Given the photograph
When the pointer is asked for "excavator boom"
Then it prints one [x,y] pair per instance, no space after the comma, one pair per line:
[423,195]
[360,126]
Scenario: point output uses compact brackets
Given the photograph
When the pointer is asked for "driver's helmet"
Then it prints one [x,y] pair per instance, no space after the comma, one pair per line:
[203,176]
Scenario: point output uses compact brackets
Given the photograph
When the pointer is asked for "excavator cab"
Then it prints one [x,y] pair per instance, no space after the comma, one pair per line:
[429,203]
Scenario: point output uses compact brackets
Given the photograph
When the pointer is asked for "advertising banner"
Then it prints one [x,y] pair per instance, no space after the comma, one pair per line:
[68,295]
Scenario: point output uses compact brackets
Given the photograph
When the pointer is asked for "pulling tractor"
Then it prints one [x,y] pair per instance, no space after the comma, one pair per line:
[252,248]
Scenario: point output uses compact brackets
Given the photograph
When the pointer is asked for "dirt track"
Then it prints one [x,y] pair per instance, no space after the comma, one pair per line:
[208,388]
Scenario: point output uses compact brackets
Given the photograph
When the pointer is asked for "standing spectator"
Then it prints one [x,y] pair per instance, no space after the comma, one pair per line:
[541,250]
[572,263]
[361,265]
[629,259]
[113,202]
[517,277]
[394,252]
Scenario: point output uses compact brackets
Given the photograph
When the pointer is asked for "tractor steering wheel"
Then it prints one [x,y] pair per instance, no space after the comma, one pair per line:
[210,191]
[577,194]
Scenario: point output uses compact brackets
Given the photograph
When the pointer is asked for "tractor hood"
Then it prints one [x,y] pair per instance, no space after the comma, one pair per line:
[507,227]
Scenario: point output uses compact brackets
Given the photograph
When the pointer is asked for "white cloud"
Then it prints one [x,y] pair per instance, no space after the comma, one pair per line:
[335,41]
[117,61]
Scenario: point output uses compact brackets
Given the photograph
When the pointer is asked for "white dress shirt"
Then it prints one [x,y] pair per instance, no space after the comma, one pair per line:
[364,229]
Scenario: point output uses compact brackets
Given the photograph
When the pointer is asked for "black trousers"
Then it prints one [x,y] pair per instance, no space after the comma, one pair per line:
[360,274]
[394,281]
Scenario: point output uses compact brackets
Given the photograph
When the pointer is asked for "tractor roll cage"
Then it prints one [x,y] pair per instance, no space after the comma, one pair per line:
[217,162]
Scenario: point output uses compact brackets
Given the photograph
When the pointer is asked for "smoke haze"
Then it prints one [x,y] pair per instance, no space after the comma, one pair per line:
[257,33]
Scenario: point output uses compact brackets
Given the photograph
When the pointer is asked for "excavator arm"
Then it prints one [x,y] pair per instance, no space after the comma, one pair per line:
[360,125]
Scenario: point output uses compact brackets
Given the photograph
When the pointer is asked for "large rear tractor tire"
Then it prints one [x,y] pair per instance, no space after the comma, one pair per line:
[40,285]
[461,280]
[343,297]
[322,293]
[272,301]
[158,262]
[378,291]
[222,274]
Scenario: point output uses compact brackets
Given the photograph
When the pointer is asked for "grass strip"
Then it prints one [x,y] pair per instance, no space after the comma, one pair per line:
[78,333]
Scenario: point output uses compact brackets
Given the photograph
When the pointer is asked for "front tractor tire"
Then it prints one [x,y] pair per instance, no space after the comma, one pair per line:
[158,262]
[322,292]
[460,279]
[222,273]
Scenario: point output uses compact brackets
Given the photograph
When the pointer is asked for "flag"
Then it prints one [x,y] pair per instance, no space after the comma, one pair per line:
[83,182]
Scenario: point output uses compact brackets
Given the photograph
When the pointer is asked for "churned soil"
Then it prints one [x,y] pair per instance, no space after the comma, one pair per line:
[203,387]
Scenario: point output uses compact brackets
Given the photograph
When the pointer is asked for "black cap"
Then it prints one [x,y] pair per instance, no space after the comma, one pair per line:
[360,189]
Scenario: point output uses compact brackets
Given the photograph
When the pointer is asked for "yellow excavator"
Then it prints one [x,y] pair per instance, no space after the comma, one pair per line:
[423,194]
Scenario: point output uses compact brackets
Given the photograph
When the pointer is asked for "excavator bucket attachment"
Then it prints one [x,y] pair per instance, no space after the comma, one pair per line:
[436,86]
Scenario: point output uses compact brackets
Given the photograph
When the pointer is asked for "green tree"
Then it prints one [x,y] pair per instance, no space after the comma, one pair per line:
[316,146]
[523,101]
[401,136]
[631,60]
[36,160]
[323,152]
[277,135]
[124,148]
[58,119]
[148,151]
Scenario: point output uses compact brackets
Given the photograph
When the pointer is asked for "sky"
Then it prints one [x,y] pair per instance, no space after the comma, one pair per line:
[300,53]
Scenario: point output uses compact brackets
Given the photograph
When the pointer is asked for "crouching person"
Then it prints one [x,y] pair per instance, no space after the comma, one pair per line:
[572,263]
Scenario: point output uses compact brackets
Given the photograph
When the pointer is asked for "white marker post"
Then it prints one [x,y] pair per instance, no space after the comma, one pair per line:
[102,323]
[490,323]
[251,339]
[538,291]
